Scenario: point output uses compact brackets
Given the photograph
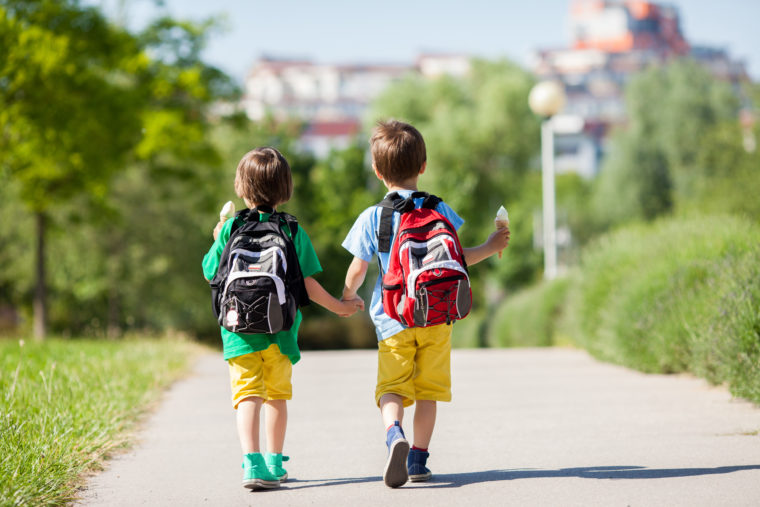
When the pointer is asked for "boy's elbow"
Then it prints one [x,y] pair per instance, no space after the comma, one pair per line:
[312,285]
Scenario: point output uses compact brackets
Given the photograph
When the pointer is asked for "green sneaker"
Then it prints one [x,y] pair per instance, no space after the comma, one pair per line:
[256,474]
[274,464]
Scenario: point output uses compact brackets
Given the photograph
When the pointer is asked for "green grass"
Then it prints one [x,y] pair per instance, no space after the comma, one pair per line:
[67,403]
[677,295]
[681,294]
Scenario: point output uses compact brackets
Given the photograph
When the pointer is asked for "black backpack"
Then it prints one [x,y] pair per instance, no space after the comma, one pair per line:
[259,283]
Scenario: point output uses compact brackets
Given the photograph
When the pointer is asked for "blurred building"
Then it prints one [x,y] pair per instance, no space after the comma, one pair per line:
[611,42]
[331,99]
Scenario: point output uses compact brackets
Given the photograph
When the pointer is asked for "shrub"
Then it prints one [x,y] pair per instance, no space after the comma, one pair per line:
[529,317]
[468,332]
[677,295]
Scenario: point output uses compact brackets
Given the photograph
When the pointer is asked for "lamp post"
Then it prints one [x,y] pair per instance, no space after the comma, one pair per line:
[546,99]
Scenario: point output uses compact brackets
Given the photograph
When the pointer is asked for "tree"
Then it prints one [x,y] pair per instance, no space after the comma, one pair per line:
[160,202]
[66,81]
[732,178]
[654,164]
[635,183]
[342,186]
[482,140]
[107,141]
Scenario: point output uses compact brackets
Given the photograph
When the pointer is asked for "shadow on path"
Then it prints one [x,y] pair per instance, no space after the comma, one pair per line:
[602,472]
[317,483]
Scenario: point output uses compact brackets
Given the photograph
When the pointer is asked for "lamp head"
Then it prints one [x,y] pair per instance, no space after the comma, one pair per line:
[547,98]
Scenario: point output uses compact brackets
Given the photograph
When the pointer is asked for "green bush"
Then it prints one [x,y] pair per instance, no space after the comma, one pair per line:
[528,318]
[676,295]
[468,332]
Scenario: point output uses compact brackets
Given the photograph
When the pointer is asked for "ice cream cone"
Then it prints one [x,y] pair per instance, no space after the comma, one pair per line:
[501,221]
[228,210]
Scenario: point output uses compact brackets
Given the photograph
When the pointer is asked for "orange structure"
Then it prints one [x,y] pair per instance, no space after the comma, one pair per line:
[620,26]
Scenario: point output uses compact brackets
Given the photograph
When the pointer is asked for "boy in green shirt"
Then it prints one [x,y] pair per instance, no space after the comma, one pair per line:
[260,364]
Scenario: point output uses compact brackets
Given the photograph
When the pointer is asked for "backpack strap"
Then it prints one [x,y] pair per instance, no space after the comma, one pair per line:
[298,286]
[388,205]
[395,203]
[431,201]
[241,217]
[274,216]
[290,220]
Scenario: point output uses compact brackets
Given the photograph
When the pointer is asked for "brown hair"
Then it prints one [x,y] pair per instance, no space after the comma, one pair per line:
[398,150]
[263,177]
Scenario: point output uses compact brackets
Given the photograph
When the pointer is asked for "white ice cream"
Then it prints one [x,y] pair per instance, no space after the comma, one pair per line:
[502,217]
[501,221]
[227,211]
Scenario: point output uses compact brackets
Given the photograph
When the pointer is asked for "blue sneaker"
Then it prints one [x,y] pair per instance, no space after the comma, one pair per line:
[415,463]
[395,473]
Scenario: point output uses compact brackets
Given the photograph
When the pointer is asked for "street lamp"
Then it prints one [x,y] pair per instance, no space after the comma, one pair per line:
[546,99]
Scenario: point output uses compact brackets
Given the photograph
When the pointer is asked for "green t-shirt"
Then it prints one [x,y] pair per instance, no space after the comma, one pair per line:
[238,344]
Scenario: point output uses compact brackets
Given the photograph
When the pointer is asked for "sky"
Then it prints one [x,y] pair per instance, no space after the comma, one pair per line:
[397,31]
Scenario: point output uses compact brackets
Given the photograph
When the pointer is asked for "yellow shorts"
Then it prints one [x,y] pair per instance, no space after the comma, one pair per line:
[264,374]
[416,364]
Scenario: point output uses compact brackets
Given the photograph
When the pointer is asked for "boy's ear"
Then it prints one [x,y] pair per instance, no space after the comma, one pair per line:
[424,166]
[374,168]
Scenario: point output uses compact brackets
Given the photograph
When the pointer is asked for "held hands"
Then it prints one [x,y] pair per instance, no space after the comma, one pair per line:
[349,307]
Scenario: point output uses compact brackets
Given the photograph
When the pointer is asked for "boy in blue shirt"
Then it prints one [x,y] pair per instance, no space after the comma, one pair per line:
[261,364]
[413,363]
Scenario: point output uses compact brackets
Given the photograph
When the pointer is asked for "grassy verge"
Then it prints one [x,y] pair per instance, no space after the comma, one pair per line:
[66,403]
[528,318]
[679,295]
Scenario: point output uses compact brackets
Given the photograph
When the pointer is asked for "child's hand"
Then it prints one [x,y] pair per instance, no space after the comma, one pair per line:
[217,229]
[498,240]
[351,306]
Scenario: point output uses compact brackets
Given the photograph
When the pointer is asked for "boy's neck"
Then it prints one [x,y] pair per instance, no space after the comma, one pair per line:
[252,205]
[410,184]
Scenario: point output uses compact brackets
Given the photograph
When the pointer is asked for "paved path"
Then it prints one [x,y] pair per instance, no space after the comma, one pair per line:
[527,427]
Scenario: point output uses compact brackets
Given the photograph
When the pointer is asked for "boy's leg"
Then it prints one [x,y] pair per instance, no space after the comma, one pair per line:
[395,389]
[277,377]
[256,474]
[248,393]
[248,416]
[432,384]
[424,422]
[276,424]
[391,409]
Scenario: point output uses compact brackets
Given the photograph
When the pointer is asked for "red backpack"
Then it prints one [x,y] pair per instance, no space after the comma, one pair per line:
[427,282]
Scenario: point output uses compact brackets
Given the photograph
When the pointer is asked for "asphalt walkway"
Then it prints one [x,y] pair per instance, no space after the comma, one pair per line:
[528,427]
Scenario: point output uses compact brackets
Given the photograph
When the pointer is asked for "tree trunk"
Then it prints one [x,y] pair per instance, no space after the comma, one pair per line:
[40,290]
[113,329]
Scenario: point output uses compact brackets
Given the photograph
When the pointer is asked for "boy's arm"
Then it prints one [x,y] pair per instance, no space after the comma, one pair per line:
[354,278]
[211,259]
[218,229]
[319,295]
[496,242]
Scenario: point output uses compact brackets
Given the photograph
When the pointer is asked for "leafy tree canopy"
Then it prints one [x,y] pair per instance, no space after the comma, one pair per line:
[480,134]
